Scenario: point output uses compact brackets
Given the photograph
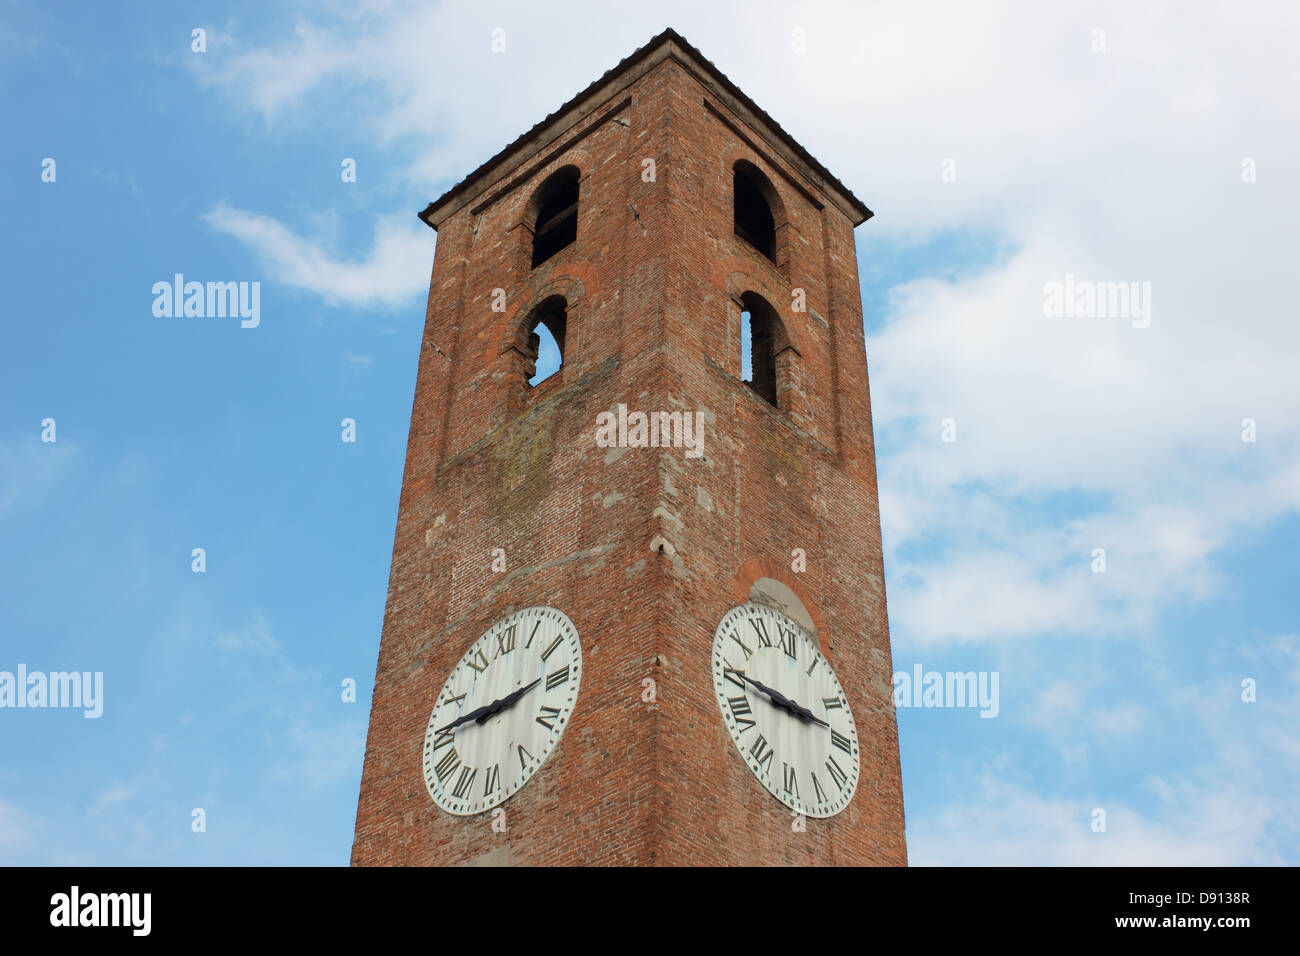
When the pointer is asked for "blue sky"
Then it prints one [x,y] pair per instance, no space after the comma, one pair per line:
[1000,153]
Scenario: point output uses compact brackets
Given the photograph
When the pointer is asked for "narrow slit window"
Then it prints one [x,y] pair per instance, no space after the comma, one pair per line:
[746,349]
[758,330]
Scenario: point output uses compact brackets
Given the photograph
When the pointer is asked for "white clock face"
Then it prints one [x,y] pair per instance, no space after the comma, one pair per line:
[785,710]
[502,710]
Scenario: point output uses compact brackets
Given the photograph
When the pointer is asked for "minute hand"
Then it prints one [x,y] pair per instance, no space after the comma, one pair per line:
[480,714]
[785,703]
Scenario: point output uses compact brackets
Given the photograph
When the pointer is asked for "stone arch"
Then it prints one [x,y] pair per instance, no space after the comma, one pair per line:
[769,348]
[739,277]
[552,213]
[744,166]
[527,199]
[567,286]
[744,288]
[556,302]
[764,581]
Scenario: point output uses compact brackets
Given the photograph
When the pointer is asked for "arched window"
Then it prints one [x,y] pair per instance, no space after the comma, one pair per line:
[762,337]
[556,222]
[754,220]
[545,340]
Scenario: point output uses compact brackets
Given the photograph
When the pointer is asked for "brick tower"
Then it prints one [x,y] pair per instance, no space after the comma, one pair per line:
[647,227]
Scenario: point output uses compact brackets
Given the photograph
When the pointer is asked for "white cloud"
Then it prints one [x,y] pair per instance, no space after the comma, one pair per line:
[325,753]
[30,469]
[273,78]
[395,271]
[1057,703]
[115,794]
[1237,802]
[1121,720]
[1004,823]
[256,636]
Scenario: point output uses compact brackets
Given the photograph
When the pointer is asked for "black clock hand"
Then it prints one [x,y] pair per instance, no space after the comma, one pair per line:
[485,710]
[480,714]
[792,707]
[507,701]
[785,703]
[807,714]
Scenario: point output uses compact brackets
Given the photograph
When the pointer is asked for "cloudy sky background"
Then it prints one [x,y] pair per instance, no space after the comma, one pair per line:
[1119,691]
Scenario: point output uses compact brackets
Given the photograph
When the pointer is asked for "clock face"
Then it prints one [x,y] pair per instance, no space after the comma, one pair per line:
[785,710]
[502,710]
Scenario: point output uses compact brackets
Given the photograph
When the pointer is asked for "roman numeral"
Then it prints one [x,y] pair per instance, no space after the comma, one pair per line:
[464,782]
[748,652]
[761,627]
[533,634]
[817,787]
[791,784]
[558,678]
[839,740]
[492,780]
[734,676]
[506,641]
[478,667]
[547,717]
[455,700]
[551,650]
[830,703]
[789,643]
[762,753]
[816,661]
[837,775]
[522,754]
[447,765]
[739,708]
[443,738]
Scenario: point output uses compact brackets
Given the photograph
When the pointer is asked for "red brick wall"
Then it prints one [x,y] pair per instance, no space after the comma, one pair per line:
[653,283]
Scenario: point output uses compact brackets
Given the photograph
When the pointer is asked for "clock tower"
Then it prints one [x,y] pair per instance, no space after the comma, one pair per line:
[636,611]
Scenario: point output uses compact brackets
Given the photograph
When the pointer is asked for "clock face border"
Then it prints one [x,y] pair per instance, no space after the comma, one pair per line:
[840,717]
[564,634]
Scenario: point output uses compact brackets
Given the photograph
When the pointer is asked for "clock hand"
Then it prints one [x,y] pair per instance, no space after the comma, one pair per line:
[508,701]
[805,713]
[480,714]
[788,705]
[466,718]
[785,703]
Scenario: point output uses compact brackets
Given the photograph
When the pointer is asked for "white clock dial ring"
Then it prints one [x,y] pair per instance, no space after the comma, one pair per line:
[785,710]
[502,710]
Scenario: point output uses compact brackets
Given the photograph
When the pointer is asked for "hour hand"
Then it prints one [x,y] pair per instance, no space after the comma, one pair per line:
[785,703]
[807,714]
[799,710]
[480,714]
[507,701]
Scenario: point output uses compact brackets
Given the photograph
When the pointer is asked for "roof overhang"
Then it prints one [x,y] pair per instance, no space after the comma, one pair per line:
[668,44]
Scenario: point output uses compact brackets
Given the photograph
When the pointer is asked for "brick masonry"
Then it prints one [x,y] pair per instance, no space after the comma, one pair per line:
[653,285]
